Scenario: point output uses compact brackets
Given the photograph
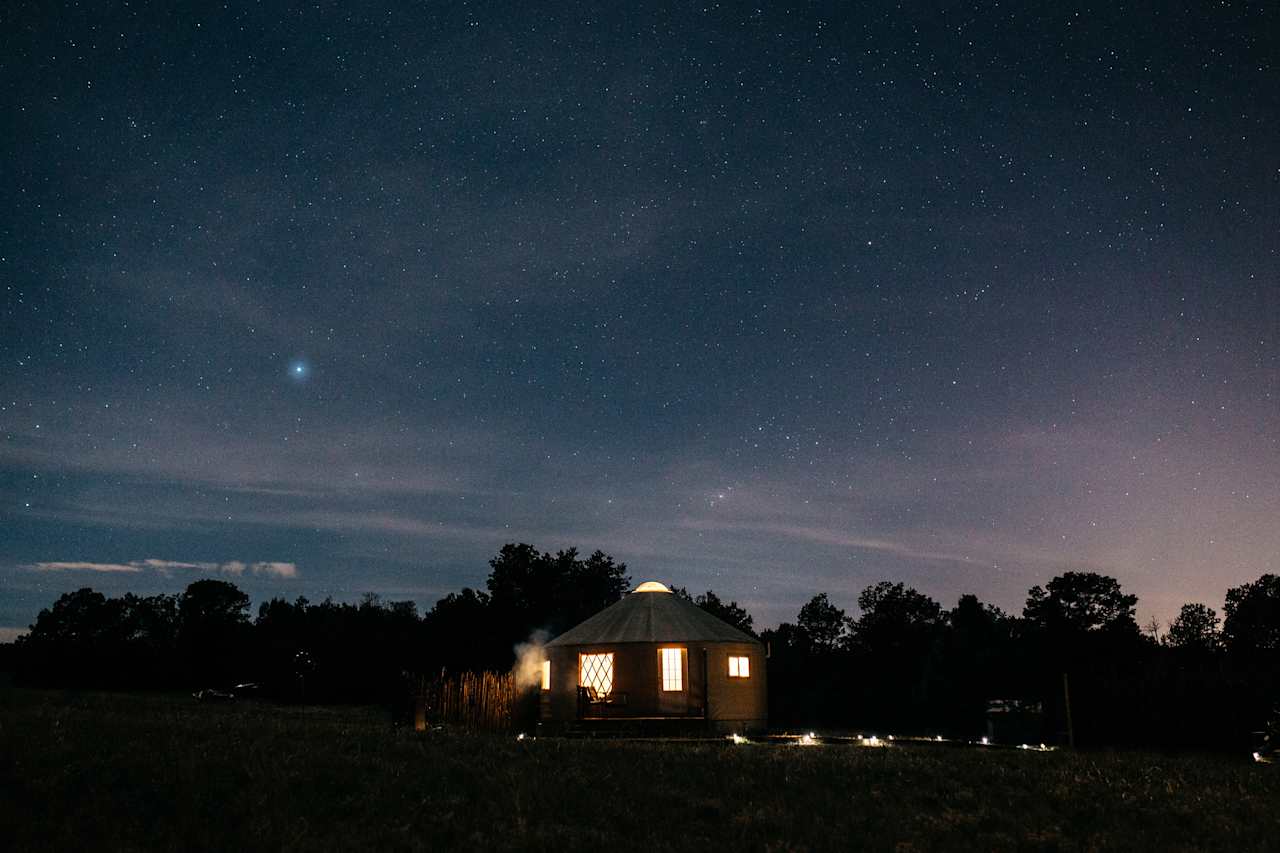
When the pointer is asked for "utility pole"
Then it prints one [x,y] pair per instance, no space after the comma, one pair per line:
[1066,698]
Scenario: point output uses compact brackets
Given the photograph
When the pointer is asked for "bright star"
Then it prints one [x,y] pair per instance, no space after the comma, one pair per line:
[299,370]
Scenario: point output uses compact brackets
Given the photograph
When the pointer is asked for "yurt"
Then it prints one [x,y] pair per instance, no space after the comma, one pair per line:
[654,661]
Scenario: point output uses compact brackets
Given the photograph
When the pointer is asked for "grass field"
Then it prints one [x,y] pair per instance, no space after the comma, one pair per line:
[130,772]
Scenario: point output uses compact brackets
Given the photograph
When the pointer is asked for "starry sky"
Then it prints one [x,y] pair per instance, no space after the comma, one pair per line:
[769,299]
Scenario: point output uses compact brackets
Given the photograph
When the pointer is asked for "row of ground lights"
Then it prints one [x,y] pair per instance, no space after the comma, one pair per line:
[811,739]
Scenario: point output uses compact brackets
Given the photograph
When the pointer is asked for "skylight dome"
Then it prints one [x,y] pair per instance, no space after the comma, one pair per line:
[651,586]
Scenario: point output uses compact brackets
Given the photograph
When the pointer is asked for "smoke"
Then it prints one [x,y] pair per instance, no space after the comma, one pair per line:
[529,657]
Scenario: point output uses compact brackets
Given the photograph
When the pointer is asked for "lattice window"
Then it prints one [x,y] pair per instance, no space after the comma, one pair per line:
[595,672]
[672,669]
[546,675]
[739,667]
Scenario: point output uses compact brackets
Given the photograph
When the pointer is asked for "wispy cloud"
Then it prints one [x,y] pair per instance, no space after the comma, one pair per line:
[167,566]
[85,567]
[376,460]
[831,537]
[237,568]
[279,570]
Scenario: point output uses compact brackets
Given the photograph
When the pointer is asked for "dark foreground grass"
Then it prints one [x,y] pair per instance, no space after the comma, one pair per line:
[126,772]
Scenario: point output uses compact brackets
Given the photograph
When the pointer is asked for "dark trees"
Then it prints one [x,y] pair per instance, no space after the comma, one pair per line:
[1082,626]
[80,616]
[1080,602]
[530,590]
[333,651]
[457,615]
[1251,634]
[977,663]
[69,642]
[150,628]
[1195,629]
[725,611]
[324,651]
[213,632]
[211,605]
[823,626]
[807,665]
[895,617]
[592,585]
[283,640]
[896,644]
[87,638]
[904,665]
[978,625]
[1251,629]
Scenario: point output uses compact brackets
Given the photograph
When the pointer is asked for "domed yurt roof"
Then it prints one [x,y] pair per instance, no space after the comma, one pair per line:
[651,613]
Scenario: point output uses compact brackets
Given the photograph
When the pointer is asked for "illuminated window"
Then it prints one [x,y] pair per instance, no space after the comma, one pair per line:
[672,669]
[546,675]
[595,672]
[739,667]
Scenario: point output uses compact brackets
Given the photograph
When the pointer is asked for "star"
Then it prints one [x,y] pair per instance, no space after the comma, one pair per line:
[299,370]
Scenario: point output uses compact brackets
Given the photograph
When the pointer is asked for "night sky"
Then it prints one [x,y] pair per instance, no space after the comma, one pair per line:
[340,298]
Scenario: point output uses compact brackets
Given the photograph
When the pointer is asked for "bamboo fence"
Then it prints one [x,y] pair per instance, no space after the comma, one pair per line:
[475,701]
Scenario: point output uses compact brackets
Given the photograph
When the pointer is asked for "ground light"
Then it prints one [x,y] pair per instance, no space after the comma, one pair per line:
[885,741]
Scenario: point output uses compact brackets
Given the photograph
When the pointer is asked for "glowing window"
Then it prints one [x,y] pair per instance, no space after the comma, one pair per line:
[595,672]
[546,675]
[672,669]
[739,667]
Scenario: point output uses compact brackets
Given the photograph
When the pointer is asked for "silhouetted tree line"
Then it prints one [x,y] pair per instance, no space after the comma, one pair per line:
[904,664]
[307,651]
